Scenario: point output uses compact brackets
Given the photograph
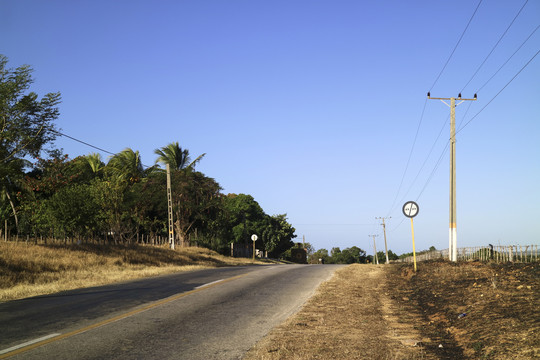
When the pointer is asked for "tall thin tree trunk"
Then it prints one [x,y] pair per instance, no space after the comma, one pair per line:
[14,211]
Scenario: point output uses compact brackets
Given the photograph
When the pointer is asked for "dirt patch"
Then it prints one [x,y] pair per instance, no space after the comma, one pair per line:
[351,317]
[466,310]
[484,311]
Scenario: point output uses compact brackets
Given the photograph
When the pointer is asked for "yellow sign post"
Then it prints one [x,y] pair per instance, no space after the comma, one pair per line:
[410,210]
[413,248]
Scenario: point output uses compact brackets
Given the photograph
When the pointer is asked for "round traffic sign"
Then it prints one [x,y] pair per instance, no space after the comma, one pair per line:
[254,237]
[410,209]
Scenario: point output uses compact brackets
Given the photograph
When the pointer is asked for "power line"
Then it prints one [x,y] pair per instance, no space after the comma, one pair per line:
[90,145]
[455,47]
[494,47]
[500,91]
[409,159]
[83,142]
[434,170]
[520,46]
[334,224]
[427,158]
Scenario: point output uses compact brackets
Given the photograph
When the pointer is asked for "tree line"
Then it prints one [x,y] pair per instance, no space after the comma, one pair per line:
[45,193]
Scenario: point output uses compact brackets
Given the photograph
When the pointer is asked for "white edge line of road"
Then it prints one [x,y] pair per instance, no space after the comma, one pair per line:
[208,284]
[28,343]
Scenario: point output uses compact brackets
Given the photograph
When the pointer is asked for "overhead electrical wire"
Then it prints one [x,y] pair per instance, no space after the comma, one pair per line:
[499,69]
[427,158]
[90,145]
[495,46]
[500,91]
[430,177]
[455,47]
[409,159]
[82,142]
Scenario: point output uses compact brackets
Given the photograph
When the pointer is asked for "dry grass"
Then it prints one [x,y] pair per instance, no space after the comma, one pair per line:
[488,311]
[444,311]
[30,270]
[350,317]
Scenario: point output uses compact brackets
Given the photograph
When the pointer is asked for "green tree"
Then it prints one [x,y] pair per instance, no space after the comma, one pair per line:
[319,256]
[95,163]
[243,216]
[26,125]
[176,157]
[196,201]
[127,166]
[358,254]
[74,211]
[277,235]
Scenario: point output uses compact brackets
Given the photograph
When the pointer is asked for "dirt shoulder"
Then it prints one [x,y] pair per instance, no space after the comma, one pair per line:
[351,317]
[444,311]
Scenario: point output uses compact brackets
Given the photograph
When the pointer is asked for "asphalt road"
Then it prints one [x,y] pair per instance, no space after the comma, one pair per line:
[208,314]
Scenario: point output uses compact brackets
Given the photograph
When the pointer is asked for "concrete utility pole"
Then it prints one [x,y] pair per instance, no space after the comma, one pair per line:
[452,243]
[375,258]
[169,205]
[384,231]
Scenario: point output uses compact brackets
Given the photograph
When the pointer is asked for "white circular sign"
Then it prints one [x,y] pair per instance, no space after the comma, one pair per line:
[254,237]
[410,209]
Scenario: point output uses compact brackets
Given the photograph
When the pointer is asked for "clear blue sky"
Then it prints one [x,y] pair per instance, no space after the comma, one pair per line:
[310,106]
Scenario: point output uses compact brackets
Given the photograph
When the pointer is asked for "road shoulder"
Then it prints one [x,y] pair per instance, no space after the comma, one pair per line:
[352,316]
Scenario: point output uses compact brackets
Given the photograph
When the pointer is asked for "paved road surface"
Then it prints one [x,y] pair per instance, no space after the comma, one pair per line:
[208,314]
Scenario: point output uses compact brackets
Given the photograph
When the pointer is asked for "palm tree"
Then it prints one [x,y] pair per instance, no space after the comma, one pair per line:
[176,157]
[126,165]
[94,160]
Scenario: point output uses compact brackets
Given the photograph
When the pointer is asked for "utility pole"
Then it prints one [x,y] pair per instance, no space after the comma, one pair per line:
[169,205]
[452,238]
[384,231]
[375,258]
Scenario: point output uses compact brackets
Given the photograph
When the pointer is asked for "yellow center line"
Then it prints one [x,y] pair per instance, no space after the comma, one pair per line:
[116,318]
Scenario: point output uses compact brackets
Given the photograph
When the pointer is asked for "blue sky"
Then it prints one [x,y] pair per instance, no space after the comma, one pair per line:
[311,107]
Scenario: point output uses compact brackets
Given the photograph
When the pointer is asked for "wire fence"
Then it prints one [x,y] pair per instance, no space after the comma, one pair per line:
[509,253]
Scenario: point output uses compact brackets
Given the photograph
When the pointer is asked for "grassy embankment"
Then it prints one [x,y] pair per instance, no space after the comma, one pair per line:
[29,270]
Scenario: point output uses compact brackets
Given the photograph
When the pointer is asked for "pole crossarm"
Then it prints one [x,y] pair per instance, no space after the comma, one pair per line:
[458,98]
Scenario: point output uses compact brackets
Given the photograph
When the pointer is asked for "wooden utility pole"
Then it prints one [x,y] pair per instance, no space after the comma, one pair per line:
[375,258]
[384,231]
[169,205]
[452,243]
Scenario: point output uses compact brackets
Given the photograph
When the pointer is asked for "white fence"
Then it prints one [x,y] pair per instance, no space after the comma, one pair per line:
[510,253]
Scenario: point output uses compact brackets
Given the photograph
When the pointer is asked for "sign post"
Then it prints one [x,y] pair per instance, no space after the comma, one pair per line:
[410,210]
[254,238]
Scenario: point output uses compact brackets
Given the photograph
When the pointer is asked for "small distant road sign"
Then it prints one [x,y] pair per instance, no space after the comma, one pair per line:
[254,237]
[410,209]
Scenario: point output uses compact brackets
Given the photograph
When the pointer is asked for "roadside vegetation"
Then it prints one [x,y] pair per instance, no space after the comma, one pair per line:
[28,270]
[464,310]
